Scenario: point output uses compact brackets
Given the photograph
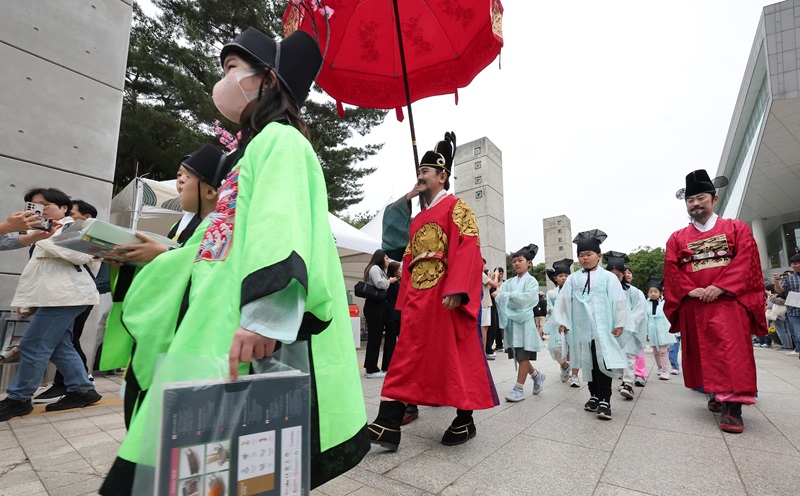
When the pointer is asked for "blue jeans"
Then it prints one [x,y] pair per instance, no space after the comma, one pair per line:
[674,349]
[49,338]
[782,328]
[794,330]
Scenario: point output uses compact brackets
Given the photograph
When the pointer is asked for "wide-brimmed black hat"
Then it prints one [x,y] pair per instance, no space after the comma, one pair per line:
[563,266]
[699,182]
[616,260]
[296,59]
[529,252]
[210,163]
[590,240]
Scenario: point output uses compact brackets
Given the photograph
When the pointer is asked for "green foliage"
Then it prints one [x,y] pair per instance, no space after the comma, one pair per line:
[167,110]
[646,262]
[358,220]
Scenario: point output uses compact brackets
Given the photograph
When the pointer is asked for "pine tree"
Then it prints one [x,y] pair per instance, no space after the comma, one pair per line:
[167,111]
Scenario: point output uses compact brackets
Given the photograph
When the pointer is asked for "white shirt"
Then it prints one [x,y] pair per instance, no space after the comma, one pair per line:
[441,194]
[709,225]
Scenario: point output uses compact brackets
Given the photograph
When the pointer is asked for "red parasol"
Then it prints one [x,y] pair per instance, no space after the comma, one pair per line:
[370,62]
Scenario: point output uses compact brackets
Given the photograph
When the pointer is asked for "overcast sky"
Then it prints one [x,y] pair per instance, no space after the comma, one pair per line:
[600,110]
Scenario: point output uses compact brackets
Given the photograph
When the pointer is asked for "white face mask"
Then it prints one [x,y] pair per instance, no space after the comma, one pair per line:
[229,96]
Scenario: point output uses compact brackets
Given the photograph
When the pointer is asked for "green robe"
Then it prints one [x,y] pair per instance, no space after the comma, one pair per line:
[266,261]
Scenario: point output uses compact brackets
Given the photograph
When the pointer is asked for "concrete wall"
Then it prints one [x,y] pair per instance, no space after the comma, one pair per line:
[478,180]
[63,77]
[557,241]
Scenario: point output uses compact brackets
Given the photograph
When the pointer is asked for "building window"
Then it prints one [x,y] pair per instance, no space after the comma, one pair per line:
[478,195]
[558,222]
[476,150]
[561,248]
[560,240]
[477,165]
[560,231]
[478,180]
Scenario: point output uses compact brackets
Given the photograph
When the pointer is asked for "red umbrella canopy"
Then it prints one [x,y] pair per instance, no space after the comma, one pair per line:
[446,44]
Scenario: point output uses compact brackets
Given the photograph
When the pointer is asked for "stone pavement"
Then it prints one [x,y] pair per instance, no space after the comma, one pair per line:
[664,441]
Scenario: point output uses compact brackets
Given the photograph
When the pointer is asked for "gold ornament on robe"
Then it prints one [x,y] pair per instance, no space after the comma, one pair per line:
[427,272]
[464,218]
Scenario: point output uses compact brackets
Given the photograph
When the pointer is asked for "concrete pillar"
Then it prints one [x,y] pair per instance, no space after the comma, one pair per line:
[757,225]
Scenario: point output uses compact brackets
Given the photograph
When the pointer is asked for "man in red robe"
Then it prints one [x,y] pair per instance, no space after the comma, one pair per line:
[439,358]
[714,293]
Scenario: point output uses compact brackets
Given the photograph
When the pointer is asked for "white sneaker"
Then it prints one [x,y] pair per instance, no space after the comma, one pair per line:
[793,353]
[515,395]
[376,375]
[675,372]
[574,381]
[565,374]
[664,375]
[538,382]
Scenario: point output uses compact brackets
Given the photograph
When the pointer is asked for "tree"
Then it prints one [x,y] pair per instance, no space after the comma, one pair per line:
[358,220]
[646,262]
[167,111]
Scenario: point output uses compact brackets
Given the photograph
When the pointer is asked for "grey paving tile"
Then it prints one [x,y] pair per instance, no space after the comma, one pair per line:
[771,403]
[770,383]
[570,423]
[90,483]
[380,484]
[491,436]
[759,481]
[609,490]
[88,440]
[340,486]
[539,467]
[15,472]
[761,434]
[76,427]
[33,488]
[640,462]
[380,461]
[109,420]
[428,473]
[117,434]
[70,461]
[27,421]
[788,425]
[74,414]
[8,440]
[56,481]
[33,435]
[46,450]
[666,414]
[11,456]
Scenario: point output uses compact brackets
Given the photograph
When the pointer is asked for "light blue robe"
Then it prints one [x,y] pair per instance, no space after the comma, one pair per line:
[551,326]
[515,302]
[593,315]
[658,326]
[637,321]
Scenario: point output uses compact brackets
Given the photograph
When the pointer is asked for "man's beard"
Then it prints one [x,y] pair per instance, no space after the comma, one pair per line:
[697,214]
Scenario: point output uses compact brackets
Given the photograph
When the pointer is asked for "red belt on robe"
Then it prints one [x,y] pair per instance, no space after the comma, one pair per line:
[427,255]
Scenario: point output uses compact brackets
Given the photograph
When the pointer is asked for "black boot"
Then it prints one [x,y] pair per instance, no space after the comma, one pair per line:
[385,430]
[461,430]
[731,419]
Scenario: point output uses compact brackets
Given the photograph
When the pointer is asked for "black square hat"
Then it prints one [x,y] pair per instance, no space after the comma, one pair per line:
[210,163]
[656,282]
[529,251]
[616,260]
[563,266]
[442,154]
[296,59]
[699,182]
[590,240]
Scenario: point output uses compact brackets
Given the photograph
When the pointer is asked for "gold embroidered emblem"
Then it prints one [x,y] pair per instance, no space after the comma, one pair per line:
[497,19]
[292,21]
[710,252]
[427,272]
[464,218]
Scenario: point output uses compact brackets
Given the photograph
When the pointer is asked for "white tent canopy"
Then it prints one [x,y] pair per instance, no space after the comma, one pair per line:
[154,206]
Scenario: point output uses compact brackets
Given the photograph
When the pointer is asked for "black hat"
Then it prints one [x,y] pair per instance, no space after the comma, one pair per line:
[656,282]
[210,163]
[563,266]
[616,260]
[296,59]
[699,182]
[590,240]
[529,252]
[441,157]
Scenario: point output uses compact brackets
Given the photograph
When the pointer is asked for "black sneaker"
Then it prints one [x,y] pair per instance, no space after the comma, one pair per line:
[591,405]
[54,393]
[626,390]
[75,399]
[10,408]
[604,410]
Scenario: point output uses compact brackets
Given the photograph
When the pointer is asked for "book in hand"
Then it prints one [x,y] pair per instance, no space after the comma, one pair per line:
[98,238]
[247,438]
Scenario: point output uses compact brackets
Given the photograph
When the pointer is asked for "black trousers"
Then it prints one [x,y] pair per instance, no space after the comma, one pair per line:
[77,330]
[389,341]
[375,314]
[600,385]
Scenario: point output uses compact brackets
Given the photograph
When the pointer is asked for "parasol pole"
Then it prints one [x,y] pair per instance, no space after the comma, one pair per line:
[405,84]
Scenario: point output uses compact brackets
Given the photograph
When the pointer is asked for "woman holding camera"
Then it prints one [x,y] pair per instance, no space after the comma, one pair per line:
[375,312]
[55,287]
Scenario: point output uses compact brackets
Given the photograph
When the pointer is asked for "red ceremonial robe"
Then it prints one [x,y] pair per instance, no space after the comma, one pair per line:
[439,357]
[717,348]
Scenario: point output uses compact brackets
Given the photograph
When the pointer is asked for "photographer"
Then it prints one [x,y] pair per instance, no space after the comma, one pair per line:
[10,239]
[782,288]
[54,287]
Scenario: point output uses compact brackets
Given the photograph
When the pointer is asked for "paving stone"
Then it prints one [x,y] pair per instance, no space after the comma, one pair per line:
[32,488]
[76,427]
[761,434]
[428,473]
[609,490]
[678,416]
[641,462]
[380,460]
[15,472]
[570,423]
[379,483]
[339,486]
[767,475]
[788,425]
